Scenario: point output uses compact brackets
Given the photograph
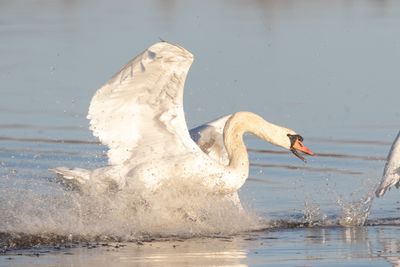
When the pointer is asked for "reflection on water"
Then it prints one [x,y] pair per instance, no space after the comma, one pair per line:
[301,246]
[391,247]
[198,252]
[227,252]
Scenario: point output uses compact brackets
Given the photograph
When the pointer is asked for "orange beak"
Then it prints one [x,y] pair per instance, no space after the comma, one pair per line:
[298,145]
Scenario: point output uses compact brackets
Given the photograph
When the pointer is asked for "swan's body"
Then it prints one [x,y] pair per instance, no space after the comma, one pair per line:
[139,115]
[391,173]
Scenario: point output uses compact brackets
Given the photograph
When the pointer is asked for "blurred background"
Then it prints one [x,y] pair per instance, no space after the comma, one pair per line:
[316,66]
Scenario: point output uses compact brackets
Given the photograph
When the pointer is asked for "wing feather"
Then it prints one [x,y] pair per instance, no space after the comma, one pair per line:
[391,173]
[140,110]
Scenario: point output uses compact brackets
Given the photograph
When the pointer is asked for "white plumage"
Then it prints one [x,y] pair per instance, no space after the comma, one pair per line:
[209,137]
[139,115]
[140,110]
[391,173]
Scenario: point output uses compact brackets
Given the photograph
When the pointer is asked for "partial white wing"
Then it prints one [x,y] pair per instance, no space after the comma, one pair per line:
[139,112]
[209,137]
[391,173]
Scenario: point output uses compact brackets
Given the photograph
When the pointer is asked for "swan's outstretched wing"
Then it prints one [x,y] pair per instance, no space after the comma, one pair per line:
[209,137]
[391,173]
[139,112]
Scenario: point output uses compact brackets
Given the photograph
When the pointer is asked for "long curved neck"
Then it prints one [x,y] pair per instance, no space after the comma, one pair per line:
[239,124]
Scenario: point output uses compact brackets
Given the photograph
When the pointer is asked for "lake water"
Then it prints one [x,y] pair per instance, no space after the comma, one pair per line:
[328,69]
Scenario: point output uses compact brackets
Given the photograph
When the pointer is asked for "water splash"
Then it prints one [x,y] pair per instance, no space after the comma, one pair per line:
[355,213]
[356,206]
[313,215]
[177,209]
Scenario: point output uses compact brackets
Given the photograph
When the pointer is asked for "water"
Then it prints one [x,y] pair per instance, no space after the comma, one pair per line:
[327,70]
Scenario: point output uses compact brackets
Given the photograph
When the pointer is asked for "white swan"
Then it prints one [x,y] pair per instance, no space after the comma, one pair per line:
[391,173]
[139,115]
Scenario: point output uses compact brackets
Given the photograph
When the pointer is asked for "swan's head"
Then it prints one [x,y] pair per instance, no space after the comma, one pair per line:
[243,121]
[283,137]
[296,146]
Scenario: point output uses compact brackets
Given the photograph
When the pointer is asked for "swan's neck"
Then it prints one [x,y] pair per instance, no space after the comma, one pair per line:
[239,124]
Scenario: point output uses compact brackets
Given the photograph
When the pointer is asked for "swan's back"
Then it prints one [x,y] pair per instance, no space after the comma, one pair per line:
[391,173]
[210,138]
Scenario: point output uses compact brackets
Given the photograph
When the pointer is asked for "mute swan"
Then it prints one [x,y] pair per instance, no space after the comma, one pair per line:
[391,173]
[139,115]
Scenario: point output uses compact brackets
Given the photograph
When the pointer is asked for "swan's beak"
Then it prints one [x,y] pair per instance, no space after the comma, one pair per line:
[297,145]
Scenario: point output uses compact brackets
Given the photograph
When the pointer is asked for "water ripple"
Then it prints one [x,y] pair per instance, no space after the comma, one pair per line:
[326,155]
[306,168]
